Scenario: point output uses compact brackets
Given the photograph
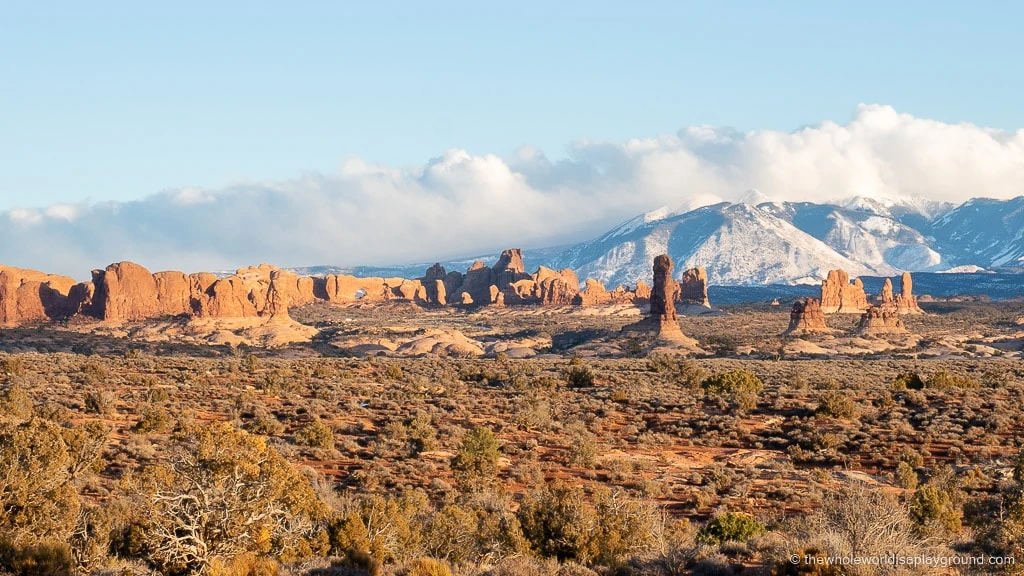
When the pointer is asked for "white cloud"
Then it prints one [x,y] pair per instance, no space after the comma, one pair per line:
[459,203]
[66,212]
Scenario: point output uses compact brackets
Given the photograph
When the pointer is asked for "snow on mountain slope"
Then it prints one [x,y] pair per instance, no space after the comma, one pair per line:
[880,242]
[982,232]
[737,244]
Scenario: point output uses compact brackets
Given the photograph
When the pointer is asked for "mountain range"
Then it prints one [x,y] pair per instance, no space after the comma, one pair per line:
[755,242]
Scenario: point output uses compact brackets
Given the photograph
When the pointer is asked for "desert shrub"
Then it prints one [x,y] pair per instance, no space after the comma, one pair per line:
[85,446]
[38,500]
[935,511]
[857,520]
[744,401]
[836,405]
[12,365]
[44,559]
[559,522]
[393,372]
[476,463]
[1000,531]
[907,381]
[251,364]
[482,528]
[428,567]
[997,378]
[906,476]
[265,424]
[683,372]
[582,450]
[224,493]
[722,344]
[94,371]
[99,402]
[247,564]
[15,402]
[92,540]
[943,380]
[730,527]
[153,419]
[315,434]
[157,395]
[379,529]
[732,381]
[420,434]
[913,458]
[714,565]
[578,376]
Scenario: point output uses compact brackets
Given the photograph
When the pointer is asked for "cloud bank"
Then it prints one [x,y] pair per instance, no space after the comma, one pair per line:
[460,204]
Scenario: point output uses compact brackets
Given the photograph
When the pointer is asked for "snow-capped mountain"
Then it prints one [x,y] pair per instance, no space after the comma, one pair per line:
[982,232]
[735,243]
[879,241]
[796,243]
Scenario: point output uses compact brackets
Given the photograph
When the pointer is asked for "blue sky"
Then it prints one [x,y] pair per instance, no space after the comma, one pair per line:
[116,101]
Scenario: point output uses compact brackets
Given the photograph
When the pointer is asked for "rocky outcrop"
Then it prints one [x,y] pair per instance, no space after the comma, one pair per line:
[593,294]
[31,296]
[839,295]
[662,321]
[439,285]
[643,291]
[807,317]
[509,269]
[664,291]
[693,288]
[476,285]
[125,291]
[903,303]
[906,302]
[128,292]
[885,298]
[343,289]
[553,288]
[877,320]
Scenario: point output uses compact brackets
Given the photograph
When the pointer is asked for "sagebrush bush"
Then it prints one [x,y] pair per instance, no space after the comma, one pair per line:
[836,405]
[315,434]
[476,463]
[732,381]
[730,527]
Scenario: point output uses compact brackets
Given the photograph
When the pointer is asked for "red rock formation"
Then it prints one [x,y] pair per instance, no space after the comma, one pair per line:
[876,320]
[903,303]
[593,294]
[173,293]
[476,284]
[643,291]
[663,321]
[807,317]
[693,287]
[439,291]
[664,291]
[906,302]
[80,299]
[509,269]
[434,283]
[343,288]
[885,298]
[553,288]
[31,296]
[838,295]
[125,291]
